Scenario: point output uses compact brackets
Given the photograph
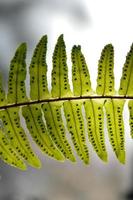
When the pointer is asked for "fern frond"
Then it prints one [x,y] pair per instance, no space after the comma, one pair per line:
[49,116]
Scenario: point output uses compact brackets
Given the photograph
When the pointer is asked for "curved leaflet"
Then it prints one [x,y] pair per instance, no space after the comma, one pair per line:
[130,107]
[105,79]
[17,137]
[126,82]
[95,117]
[8,154]
[38,131]
[60,84]
[80,74]
[115,125]
[38,72]
[75,124]
[56,129]
[17,75]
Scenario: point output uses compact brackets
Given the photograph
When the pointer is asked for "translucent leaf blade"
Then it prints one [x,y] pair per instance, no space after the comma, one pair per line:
[60,83]
[17,136]
[56,129]
[38,131]
[80,74]
[2,93]
[75,124]
[105,79]
[17,75]
[8,155]
[115,125]
[95,119]
[38,72]
[126,82]
[130,107]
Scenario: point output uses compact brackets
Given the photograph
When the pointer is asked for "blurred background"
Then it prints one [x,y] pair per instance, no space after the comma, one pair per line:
[92,24]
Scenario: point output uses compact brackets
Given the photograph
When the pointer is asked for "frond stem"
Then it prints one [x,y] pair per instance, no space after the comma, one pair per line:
[30,102]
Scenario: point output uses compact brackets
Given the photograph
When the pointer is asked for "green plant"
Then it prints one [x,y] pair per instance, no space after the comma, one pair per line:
[44,111]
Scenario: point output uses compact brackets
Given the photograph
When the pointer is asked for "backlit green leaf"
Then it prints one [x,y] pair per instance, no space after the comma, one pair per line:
[114,109]
[17,75]
[105,79]
[60,84]
[75,124]
[95,127]
[2,93]
[80,73]
[8,154]
[126,82]
[52,113]
[38,72]
[130,107]
[37,129]
[17,137]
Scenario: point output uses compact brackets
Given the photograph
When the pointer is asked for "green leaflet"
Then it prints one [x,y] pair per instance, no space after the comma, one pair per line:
[126,82]
[130,107]
[2,93]
[7,153]
[17,137]
[17,75]
[80,73]
[105,79]
[52,113]
[60,84]
[75,124]
[38,72]
[37,129]
[95,119]
[115,124]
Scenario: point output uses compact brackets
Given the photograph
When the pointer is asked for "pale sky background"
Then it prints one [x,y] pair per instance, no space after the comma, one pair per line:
[92,24]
